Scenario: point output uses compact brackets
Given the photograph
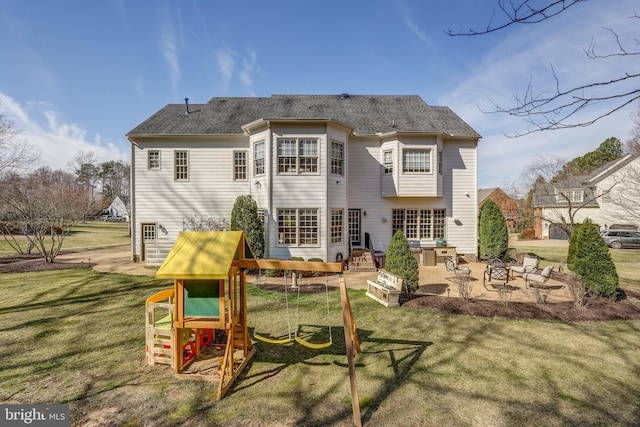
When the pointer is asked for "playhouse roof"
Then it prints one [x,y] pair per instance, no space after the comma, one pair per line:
[204,255]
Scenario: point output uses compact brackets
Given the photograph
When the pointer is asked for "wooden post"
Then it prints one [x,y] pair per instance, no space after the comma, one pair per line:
[353,347]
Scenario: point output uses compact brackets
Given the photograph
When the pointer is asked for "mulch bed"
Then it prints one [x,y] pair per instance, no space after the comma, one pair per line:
[26,263]
[627,307]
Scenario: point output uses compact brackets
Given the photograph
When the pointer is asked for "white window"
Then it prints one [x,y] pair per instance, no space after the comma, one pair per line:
[337,220]
[337,158]
[387,161]
[570,195]
[416,160]
[258,158]
[148,232]
[419,223]
[297,155]
[308,226]
[298,226]
[239,165]
[153,159]
[181,169]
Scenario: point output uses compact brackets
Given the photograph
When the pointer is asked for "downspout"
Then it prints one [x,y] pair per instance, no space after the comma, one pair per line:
[269,184]
[132,201]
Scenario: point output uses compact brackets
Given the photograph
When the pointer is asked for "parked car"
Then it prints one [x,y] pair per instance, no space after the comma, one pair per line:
[109,218]
[618,239]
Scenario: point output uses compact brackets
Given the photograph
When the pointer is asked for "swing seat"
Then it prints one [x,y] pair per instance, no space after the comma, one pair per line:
[280,341]
[313,345]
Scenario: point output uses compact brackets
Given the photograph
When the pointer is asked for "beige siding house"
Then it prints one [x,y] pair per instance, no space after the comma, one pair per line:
[324,170]
[609,195]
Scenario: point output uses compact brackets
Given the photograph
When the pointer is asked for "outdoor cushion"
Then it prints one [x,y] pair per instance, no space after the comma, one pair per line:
[539,278]
[528,264]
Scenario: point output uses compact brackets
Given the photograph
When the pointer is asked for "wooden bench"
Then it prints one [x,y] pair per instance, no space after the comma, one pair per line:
[386,289]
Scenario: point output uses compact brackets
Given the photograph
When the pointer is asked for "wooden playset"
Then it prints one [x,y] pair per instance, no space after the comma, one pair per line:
[200,328]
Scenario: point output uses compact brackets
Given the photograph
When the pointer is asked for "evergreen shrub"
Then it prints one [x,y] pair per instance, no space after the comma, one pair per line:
[401,262]
[593,262]
[244,216]
[494,237]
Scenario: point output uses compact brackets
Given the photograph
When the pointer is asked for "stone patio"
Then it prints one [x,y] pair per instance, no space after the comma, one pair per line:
[436,280]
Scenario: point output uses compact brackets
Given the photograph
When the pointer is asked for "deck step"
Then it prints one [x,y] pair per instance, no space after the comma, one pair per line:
[361,260]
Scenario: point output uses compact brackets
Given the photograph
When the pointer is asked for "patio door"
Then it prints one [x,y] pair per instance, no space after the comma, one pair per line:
[355,230]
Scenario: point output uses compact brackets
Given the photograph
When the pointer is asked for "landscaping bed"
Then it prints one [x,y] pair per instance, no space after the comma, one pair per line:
[627,307]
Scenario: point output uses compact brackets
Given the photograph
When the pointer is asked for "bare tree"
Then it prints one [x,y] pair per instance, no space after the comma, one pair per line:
[198,222]
[633,143]
[559,195]
[559,108]
[15,154]
[85,166]
[44,206]
[114,176]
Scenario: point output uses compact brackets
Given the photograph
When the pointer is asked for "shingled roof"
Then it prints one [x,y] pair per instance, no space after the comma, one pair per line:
[367,114]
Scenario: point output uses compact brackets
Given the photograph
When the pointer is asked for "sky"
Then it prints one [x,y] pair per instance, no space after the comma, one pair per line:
[77,75]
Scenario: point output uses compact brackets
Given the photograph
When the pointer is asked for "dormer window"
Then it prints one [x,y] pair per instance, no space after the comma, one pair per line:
[575,195]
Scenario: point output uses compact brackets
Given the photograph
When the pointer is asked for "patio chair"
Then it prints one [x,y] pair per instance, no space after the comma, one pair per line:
[529,264]
[496,275]
[533,279]
[536,282]
[452,267]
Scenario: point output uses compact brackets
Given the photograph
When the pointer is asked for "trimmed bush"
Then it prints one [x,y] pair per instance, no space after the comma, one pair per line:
[244,216]
[316,273]
[401,262]
[593,262]
[494,237]
[574,239]
[273,272]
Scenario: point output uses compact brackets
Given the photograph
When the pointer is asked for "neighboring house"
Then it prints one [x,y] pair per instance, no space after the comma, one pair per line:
[323,169]
[599,196]
[117,208]
[508,206]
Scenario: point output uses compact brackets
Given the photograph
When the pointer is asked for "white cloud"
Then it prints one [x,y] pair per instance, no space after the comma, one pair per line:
[248,69]
[169,47]
[226,64]
[55,141]
[415,29]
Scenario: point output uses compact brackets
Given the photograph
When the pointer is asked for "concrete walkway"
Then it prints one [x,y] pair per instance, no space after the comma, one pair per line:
[433,280]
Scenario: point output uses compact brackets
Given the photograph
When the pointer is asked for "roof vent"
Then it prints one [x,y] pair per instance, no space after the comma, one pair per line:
[344,95]
[186,103]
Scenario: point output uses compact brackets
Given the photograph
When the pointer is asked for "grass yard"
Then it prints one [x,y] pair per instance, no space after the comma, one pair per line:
[77,336]
[88,235]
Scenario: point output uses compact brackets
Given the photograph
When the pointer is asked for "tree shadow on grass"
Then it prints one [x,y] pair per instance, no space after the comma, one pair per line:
[402,356]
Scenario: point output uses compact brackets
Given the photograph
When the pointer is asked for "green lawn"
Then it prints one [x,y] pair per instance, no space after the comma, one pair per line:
[78,336]
[87,235]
